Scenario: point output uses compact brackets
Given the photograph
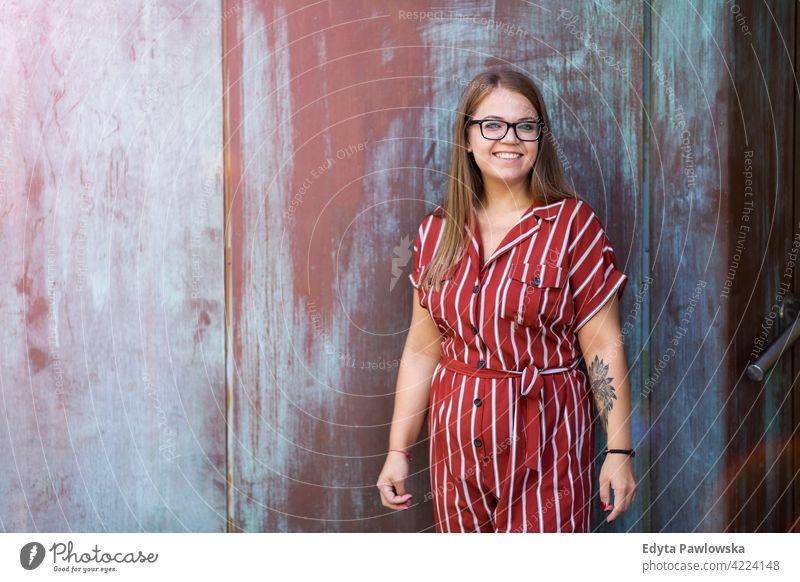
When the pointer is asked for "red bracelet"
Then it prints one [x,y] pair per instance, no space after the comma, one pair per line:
[406,453]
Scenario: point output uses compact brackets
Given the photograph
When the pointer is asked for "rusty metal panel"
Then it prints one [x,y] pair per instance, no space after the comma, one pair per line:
[690,374]
[339,120]
[760,475]
[112,366]
[687,386]
[126,326]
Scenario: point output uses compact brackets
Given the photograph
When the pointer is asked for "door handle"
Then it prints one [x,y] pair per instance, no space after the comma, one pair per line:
[765,361]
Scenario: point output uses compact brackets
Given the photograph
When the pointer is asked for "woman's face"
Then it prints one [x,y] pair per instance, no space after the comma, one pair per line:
[494,156]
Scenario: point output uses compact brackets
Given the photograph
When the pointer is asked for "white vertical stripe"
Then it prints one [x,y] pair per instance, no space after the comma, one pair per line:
[557,500]
[444,474]
[539,471]
[512,410]
[573,410]
[465,488]
[475,454]
[494,440]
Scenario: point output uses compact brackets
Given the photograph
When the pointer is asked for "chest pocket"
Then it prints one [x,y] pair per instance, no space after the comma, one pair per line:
[537,294]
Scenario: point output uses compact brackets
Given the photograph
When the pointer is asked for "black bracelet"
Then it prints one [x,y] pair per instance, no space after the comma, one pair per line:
[630,452]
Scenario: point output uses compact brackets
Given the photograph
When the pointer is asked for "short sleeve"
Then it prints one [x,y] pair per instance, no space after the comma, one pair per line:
[425,243]
[414,276]
[593,270]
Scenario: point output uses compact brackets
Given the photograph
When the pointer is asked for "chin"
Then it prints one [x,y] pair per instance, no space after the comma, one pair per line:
[509,176]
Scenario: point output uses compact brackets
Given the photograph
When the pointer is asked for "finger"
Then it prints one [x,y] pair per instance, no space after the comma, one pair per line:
[391,499]
[626,495]
[628,499]
[605,493]
[616,511]
[631,497]
[613,515]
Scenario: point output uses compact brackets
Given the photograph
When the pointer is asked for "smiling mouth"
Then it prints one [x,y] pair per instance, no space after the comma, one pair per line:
[507,155]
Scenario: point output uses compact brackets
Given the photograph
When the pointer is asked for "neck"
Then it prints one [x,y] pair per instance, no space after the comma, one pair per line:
[504,197]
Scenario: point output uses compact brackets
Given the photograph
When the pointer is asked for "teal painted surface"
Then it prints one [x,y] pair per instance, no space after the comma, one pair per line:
[311,401]
[114,407]
[112,411]
[689,89]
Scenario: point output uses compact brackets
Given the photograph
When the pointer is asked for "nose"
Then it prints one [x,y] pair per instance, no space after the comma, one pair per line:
[510,136]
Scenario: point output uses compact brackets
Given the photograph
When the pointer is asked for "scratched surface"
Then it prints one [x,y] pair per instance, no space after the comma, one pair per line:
[321,251]
[112,412]
[688,258]
[764,448]
[722,457]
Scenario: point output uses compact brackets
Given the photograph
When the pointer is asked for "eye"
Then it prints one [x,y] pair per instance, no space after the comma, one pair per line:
[493,125]
[527,126]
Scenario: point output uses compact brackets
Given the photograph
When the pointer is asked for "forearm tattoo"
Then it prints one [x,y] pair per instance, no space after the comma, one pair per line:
[602,389]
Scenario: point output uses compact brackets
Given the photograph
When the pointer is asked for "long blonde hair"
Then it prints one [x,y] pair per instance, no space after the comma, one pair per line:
[546,182]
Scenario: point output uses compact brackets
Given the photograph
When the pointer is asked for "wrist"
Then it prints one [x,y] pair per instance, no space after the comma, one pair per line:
[403,452]
[618,451]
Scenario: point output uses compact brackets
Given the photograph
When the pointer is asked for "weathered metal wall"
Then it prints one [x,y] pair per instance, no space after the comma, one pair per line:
[762,458]
[689,380]
[722,452]
[340,128]
[112,401]
[145,386]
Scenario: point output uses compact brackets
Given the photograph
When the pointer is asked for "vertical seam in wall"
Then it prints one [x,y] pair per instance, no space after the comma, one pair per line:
[227,271]
[645,331]
[795,212]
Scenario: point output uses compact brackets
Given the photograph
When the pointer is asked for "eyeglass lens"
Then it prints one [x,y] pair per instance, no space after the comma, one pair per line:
[526,131]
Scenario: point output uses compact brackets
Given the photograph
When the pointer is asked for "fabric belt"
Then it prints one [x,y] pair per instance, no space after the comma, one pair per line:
[531,389]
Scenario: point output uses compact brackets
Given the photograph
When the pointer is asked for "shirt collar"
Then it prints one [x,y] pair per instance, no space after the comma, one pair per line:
[528,224]
[548,212]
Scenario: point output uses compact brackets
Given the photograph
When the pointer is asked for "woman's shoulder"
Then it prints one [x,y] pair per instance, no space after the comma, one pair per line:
[437,214]
[579,212]
[429,231]
[433,219]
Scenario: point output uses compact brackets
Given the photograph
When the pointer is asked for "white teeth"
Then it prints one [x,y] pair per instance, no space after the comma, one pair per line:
[508,156]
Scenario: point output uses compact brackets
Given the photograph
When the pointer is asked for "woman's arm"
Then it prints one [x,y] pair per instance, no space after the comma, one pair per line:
[417,364]
[604,354]
[608,373]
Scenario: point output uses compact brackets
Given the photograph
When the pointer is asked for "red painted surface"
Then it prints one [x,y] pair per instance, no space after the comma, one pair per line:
[111,372]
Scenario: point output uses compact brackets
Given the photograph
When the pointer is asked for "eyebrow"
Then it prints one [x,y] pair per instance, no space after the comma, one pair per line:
[501,119]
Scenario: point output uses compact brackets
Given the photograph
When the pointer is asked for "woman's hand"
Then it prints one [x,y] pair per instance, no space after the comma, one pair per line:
[391,482]
[617,474]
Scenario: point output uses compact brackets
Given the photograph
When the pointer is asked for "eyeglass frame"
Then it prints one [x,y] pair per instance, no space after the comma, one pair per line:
[509,125]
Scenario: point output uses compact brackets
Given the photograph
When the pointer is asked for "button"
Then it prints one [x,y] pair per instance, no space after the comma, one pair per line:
[536,281]
[481,364]
[477,402]
[478,442]
[476,288]
[474,329]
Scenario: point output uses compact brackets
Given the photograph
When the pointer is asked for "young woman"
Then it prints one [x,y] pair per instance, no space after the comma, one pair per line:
[515,282]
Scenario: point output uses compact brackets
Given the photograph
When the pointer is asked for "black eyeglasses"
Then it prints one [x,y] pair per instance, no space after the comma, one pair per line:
[496,129]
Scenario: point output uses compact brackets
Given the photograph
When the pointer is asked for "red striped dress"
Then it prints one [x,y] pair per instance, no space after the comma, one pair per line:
[511,418]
